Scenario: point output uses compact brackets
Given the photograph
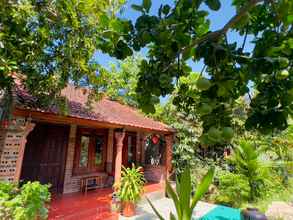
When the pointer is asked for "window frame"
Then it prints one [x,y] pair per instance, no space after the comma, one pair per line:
[91,167]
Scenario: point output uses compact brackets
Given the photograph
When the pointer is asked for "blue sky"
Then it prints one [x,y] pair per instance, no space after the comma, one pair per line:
[217,18]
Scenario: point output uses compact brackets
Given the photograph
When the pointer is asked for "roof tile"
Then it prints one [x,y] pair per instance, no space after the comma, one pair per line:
[104,110]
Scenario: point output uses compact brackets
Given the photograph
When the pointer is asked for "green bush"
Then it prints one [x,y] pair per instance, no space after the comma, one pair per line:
[233,189]
[130,188]
[25,203]
[246,162]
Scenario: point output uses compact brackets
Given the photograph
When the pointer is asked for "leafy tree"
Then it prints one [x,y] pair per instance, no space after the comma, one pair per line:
[122,80]
[188,150]
[52,43]
[181,32]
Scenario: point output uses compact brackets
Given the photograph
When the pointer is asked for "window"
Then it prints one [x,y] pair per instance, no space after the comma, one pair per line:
[84,151]
[99,150]
[130,150]
[90,151]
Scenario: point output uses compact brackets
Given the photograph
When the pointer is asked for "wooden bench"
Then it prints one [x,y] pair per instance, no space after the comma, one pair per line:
[90,182]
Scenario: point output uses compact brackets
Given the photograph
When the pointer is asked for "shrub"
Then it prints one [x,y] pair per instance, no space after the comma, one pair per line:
[25,203]
[233,189]
[246,162]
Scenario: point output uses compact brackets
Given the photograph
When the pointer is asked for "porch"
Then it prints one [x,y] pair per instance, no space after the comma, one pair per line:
[95,205]
[65,155]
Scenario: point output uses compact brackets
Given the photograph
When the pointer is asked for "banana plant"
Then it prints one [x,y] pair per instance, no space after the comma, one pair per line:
[184,199]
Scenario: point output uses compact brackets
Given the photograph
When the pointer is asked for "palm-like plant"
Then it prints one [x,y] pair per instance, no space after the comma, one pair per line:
[246,161]
[130,188]
[184,200]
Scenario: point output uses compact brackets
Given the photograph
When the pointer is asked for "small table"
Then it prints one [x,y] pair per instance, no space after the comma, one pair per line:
[89,182]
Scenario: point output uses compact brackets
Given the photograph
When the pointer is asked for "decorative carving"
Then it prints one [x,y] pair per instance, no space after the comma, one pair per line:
[27,129]
[13,141]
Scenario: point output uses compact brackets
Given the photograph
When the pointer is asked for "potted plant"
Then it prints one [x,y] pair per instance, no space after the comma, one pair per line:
[130,189]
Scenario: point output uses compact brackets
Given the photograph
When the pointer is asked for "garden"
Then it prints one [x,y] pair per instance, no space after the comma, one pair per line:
[224,83]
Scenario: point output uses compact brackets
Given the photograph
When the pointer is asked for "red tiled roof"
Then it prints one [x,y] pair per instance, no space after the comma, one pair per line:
[104,110]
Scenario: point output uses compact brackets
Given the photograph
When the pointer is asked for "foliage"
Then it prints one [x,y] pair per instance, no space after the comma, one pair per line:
[233,189]
[25,203]
[279,194]
[188,150]
[279,149]
[131,186]
[188,131]
[52,43]
[181,32]
[247,163]
[183,199]
[122,79]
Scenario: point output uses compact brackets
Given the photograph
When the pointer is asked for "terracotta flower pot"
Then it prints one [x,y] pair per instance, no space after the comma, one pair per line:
[128,209]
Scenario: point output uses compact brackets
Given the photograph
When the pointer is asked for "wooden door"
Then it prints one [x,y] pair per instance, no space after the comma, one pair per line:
[45,156]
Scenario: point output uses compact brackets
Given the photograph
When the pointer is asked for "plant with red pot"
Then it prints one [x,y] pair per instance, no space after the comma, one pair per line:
[130,189]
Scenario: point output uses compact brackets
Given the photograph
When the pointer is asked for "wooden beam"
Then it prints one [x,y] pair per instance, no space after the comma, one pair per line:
[61,119]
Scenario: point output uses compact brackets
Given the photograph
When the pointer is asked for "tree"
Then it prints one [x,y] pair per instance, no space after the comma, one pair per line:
[52,43]
[181,32]
[122,80]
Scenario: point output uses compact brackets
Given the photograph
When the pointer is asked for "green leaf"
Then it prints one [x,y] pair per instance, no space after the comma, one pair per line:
[155,210]
[203,187]
[172,216]
[147,4]
[213,4]
[104,20]
[166,9]
[137,8]
[290,19]
[185,190]
[116,25]
[174,197]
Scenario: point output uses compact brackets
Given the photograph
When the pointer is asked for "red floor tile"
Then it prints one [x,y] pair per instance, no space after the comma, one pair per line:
[96,205]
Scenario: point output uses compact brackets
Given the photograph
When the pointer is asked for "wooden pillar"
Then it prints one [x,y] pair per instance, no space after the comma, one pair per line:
[109,160]
[143,144]
[138,149]
[67,186]
[27,129]
[169,148]
[119,137]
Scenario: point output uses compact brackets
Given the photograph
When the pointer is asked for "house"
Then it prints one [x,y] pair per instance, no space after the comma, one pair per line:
[41,144]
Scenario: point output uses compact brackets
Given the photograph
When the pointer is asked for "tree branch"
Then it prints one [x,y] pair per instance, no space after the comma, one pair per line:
[216,34]
[245,37]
